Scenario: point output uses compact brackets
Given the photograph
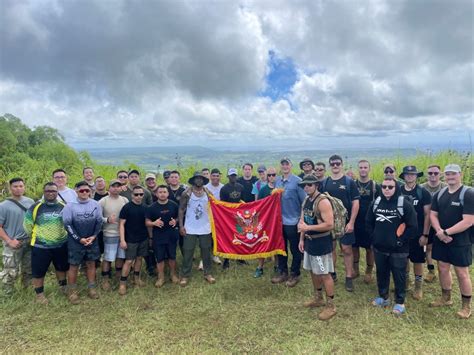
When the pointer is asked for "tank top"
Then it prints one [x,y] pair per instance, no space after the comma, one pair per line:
[197,215]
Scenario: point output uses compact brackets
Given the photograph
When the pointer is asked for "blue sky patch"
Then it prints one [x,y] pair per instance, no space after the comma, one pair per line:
[280,78]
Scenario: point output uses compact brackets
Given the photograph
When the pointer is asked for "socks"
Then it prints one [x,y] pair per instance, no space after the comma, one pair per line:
[105,273]
[430,267]
[39,290]
[464,297]
[123,278]
[419,278]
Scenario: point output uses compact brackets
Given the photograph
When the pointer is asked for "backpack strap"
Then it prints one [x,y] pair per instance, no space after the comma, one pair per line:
[315,205]
[376,203]
[400,201]
[23,208]
[464,189]
[35,226]
[441,192]
[348,181]
[419,192]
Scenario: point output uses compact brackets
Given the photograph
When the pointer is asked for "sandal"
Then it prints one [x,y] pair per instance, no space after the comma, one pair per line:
[398,309]
[380,302]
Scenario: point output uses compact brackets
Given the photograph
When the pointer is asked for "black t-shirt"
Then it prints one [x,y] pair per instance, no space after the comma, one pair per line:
[414,197]
[318,246]
[98,196]
[175,195]
[135,229]
[450,211]
[368,192]
[344,189]
[247,195]
[166,212]
[232,193]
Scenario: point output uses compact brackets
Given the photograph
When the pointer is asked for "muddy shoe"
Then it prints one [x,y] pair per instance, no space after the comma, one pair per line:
[139,283]
[92,293]
[316,301]
[292,281]
[41,299]
[465,311]
[174,278]
[279,279]
[328,311]
[73,296]
[368,278]
[161,281]
[444,300]
[122,289]
[349,285]
[210,279]
[183,282]
[106,285]
[430,276]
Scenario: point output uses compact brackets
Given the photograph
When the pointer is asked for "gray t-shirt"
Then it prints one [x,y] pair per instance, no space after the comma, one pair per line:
[11,217]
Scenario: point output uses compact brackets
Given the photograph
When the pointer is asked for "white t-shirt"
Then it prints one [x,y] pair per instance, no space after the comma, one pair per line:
[197,215]
[67,195]
[215,190]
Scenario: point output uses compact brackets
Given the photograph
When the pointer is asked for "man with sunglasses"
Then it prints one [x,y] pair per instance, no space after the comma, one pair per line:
[320,171]
[133,238]
[44,224]
[83,222]
[122,176]
[307,167]
[390,171]
[391,220]
[432,185]
[421,200]
[344,188]
[65,194]
[261,182]
[452,216]
[134,180]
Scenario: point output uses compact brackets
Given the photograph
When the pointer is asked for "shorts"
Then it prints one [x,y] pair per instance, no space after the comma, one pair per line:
[42,258]
[112,249]
[458,256]
[134,250]
[362,238]
[77,253]
[347,239]
[416,253]
[165,251]
[318,265]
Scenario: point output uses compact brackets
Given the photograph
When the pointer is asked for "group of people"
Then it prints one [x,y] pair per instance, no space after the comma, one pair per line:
[397,221]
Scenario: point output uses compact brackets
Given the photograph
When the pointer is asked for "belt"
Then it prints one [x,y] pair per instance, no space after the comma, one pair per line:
[316,236]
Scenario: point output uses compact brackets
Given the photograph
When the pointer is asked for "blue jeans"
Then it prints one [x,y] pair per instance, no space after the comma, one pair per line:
[291,237]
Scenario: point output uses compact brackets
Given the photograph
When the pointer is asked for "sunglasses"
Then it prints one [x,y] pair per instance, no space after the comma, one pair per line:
[336,163]
[59,177]
[271,174]
[50,191]
[139,194]
[122,176]
[388,171]
[435,173]
[84,191]
[309,185]
[319,169]
[387,187]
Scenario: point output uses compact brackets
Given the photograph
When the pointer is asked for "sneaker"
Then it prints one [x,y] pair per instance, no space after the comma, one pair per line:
[292,281]
[92,293]
[380,302]
[183,282]
[216,259]
[201,266]
[349,285]
[41,299]
[210,279]
[258,273]
[278,279]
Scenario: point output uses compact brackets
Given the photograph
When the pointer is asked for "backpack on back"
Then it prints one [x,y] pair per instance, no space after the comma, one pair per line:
[338,210]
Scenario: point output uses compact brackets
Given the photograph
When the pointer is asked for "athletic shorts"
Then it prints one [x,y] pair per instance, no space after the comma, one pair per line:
[416,253]
[42,258]
[77,253]
[431,235]
[165,251]
[347,239]
[318,265]
[112,249]
[457,256]
[362,238]
[134,250]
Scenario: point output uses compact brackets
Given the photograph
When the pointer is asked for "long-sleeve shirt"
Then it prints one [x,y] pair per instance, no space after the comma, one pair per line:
[292,199]
[82,219]
[46,225]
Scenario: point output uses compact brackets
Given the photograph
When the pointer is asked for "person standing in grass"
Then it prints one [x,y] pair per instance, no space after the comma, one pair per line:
[452,217]
[261,182]
[134,180]
[100,188]
[65,194]
[16,244]
[307,167]
[162,217]
[44,225]
[247,180]
[111,207]
[83,221]
[391,220]
[150,182]
[196,228]
[421,200]
[320,171]
[433,185]
[315,225]
[133,238]
[88,175]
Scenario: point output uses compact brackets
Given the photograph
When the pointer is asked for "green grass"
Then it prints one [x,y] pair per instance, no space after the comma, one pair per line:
[237,314]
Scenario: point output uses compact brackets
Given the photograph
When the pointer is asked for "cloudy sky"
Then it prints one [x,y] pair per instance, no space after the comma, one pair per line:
[241,73]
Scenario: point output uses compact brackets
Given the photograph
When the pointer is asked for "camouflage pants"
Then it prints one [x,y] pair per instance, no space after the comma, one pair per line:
[16,262]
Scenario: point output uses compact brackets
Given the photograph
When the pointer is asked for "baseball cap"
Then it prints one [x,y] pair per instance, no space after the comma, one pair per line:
[231,171]
[115,182]
[285,160]
[150,176]
[261,168]
[452,168]
[133,171]
[166,174]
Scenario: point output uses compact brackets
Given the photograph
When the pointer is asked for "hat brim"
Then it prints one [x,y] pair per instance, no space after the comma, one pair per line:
[306,161]
[418,175]
[302,183]
[205,179]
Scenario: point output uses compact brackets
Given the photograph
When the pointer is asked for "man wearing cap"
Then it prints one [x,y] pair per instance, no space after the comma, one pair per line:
[247,180]
[390,171]
[432,185]
[344,188]
[261,182]
[166,176]
[307,167]
[231,192]
[134,180]
[150,182]
[196,227]
[292,198]
[316,222]
[421,200]
[452,217]
[215,185]
[111,206]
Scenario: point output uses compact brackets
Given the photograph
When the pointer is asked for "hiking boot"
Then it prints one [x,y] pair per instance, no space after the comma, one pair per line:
[465,311]
[183,282]
[418,291]
[349,285]
[174,278]
[210,279]
[122,290]
[258,273]
[138,282]
[279,278]
[73,296]
[106,284]
[292,281]
[444,300]
[160,281]
[92,293]
[430,276]
[41,299]
[328,311]
[316,301]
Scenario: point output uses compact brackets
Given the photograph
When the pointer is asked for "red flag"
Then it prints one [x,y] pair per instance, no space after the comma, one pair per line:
[248,230]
